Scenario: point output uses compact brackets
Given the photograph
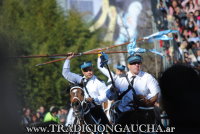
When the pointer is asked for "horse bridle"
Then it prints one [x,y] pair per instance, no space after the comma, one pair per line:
[80,107]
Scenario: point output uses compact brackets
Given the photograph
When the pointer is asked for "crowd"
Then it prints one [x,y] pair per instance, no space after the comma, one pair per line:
[184,16]
[29,117]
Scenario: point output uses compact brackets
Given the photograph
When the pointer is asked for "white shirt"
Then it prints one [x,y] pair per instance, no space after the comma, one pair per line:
[144,84]
[96,88]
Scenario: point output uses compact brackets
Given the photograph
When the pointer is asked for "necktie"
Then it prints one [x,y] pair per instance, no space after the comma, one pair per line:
[85,81]
[131,84]
[132,81]
[134,93]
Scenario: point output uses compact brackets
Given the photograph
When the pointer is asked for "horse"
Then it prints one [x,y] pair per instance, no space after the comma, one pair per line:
[79,113]
[79,105]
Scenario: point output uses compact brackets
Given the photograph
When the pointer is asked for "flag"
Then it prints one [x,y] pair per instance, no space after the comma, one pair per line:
[131,46]
[161,35]
[156,52]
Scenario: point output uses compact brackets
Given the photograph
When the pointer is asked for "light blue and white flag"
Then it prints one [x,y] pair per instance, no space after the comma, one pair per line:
[163,37]
[156,52]
[143,50]
[131,46]
[160,35]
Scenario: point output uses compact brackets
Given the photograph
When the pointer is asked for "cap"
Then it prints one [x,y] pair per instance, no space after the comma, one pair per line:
[134,58]
[86,64]
[120,67]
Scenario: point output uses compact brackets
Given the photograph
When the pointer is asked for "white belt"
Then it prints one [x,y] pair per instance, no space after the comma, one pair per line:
[146,108]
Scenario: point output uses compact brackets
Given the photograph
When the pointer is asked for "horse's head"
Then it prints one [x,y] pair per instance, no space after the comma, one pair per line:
[77,100]
[76,94]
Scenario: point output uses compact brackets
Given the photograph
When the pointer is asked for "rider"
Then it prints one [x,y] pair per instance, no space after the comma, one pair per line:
[94,89]
[119,72]
[137,90]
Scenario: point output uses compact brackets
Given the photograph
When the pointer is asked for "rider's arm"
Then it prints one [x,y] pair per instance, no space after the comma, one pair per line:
[103,69]
[147,102]
[153,87]
[72,77]
[152,97]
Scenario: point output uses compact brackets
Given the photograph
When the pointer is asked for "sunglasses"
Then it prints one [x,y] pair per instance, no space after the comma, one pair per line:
[134,63]
[87,69]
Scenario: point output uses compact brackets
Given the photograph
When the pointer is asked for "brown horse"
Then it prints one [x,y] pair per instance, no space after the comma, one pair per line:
[81,108]
[79,105]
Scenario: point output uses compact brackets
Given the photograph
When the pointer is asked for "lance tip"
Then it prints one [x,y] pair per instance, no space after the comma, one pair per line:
[39,64]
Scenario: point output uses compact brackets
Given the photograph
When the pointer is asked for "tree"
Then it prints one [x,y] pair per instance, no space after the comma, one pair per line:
[40,27]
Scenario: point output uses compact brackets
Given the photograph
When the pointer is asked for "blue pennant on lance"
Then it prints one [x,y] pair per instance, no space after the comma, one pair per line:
[163,37]
[156,52]
[104,59]
[131,46]
[136,50]
[160,35]
[143,50]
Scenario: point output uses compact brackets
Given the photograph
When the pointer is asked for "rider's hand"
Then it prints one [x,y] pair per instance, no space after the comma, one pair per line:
[113,89]
[99,50]
[71,56]
[89,99]
[140,98]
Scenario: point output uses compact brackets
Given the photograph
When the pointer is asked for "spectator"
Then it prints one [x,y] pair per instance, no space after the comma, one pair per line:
[179,86]
[26,118]
[63,115]
[191,27]
[189,6]
[180,53]
[38,116]
[185,34]
[52,115]
[41,112]
[172,7]
[187,59]
[34,119]
[197,18]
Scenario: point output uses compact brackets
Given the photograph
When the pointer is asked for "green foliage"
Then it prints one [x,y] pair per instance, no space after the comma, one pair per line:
[40,27]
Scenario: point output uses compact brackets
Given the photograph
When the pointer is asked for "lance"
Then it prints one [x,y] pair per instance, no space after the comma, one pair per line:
[110,52]
[113,46]
[94,51]
[76,54]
